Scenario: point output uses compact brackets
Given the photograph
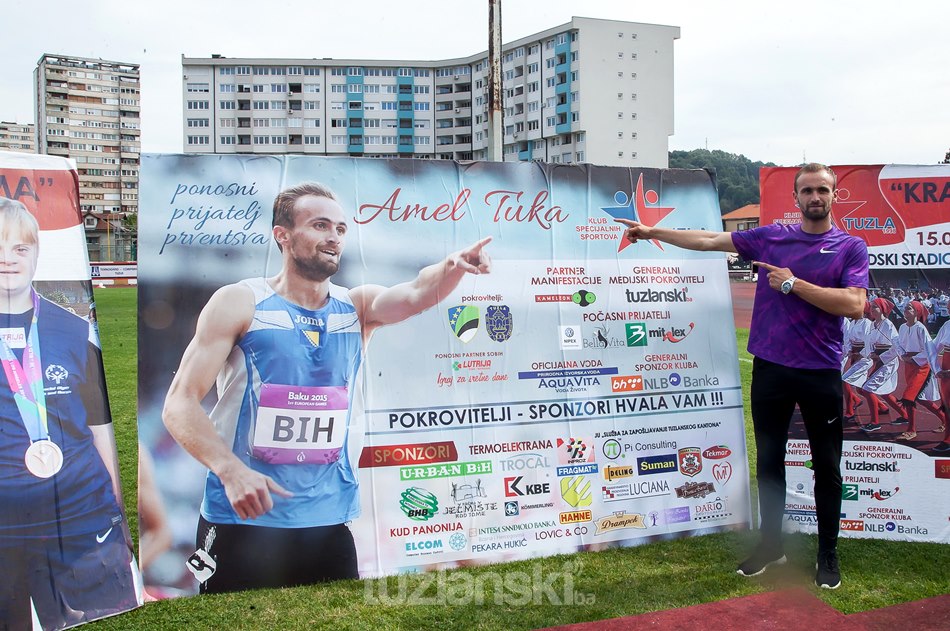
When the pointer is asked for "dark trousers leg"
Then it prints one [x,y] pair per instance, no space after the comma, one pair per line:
[772,407]
[821,406]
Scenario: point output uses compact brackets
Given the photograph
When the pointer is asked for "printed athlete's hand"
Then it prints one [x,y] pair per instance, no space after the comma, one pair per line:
[635,230]
[473,259]
[776,275]
[249,491]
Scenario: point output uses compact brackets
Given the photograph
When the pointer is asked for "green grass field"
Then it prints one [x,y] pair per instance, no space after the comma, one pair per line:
[599,585]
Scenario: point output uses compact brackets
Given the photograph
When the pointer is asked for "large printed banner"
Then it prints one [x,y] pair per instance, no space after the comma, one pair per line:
[901,211]
[894,487]
[582,394]
[65,547]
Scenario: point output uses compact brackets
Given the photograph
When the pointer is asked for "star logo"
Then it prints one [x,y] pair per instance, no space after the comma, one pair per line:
[637,210]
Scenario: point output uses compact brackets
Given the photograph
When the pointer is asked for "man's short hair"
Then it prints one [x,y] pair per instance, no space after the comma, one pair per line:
[14,216]
[287,198]
[815,167]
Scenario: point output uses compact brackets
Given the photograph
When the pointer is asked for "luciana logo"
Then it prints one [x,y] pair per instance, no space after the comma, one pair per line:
[418,504]
[56,373]
[498,322]
[464,321]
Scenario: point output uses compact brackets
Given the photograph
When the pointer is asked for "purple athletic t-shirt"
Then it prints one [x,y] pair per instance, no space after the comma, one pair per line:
[786,330]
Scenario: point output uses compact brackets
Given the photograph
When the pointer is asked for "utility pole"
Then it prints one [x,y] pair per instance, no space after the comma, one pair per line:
[495,120]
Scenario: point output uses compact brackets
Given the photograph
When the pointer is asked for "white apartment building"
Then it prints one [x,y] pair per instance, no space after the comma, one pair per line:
[17,137]
[88,110]
[590,90]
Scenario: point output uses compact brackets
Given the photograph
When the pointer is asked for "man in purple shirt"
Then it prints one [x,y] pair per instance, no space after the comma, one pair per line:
[811,275]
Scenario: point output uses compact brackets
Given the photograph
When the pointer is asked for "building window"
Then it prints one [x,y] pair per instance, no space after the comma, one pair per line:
[227,140]
[197,105]
[198,122]
[197,87]
[198,140]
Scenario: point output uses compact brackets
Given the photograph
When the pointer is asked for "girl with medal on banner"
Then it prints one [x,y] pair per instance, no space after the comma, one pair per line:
[43,457]
[64,542]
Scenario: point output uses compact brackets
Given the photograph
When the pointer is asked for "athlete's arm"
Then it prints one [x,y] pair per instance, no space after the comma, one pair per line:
[379,305]
[701,240]
[839,301]
[222,322]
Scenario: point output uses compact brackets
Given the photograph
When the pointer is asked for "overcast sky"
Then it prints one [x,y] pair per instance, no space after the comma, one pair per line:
[841,82]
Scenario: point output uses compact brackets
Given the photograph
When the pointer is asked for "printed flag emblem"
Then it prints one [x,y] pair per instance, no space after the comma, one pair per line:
[464,321]
[314,337]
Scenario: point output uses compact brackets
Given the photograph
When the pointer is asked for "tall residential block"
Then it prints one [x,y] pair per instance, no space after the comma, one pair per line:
[590,90]
[17,137]
[88,110]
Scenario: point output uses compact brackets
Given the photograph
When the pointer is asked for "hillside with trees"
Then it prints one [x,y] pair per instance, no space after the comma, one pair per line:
[736,175]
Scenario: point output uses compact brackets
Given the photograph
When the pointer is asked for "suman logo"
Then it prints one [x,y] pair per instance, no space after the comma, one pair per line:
[657,464]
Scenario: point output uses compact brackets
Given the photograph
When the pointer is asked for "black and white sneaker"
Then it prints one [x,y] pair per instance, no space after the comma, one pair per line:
[760,561]
[828,575]
[871,427]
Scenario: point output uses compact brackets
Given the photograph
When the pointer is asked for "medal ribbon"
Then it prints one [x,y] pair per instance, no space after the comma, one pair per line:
[26,383]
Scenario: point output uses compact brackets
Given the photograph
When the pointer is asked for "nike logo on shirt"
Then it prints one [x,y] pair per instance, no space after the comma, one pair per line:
[824,251]
[100,539]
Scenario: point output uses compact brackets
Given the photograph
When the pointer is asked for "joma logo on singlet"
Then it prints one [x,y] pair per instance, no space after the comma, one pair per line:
[302,319]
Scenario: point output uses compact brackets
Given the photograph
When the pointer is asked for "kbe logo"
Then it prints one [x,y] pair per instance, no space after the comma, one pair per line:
[515,487]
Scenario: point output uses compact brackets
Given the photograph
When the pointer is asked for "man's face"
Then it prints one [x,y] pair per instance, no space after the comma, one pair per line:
[316,241]
[814,195]
[18,256]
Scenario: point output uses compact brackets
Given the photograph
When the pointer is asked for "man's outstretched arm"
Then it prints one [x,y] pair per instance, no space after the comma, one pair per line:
[700,240]
[221,323]
[379,305]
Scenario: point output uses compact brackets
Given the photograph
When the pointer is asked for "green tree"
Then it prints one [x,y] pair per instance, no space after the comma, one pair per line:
[736,175]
